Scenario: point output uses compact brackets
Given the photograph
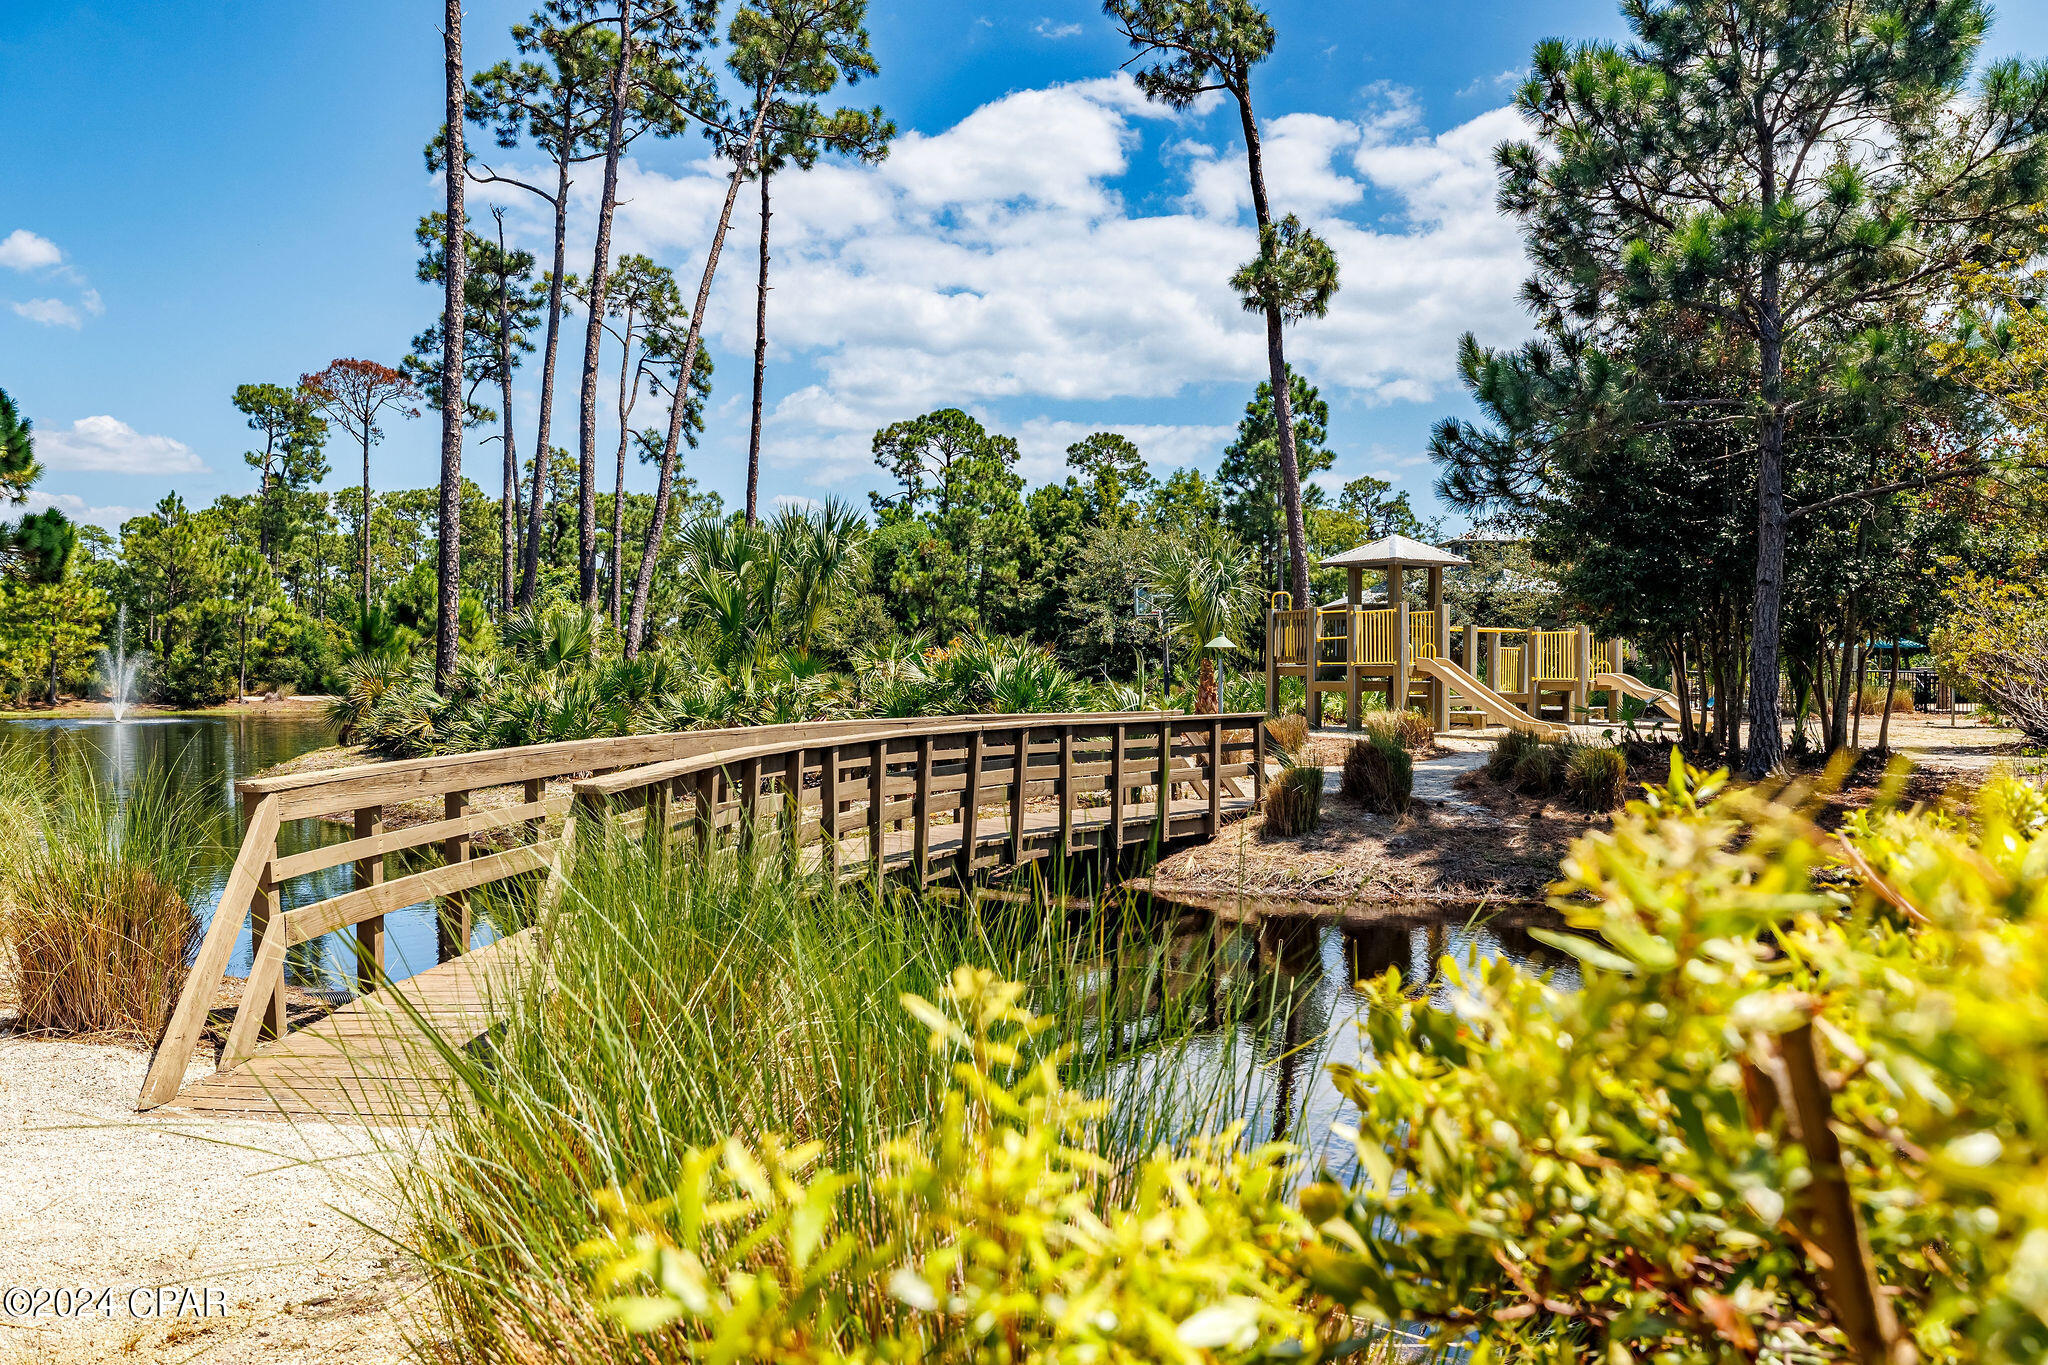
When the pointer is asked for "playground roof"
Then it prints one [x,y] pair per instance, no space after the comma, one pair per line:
[1395,552]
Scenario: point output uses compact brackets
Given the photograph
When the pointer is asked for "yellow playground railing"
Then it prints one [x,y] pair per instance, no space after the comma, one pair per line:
[1510,679]
[1422,635]
[1604,656]
[1556,656]
[1291,637]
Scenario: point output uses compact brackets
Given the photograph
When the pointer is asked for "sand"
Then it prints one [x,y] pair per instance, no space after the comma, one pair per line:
[283,1219]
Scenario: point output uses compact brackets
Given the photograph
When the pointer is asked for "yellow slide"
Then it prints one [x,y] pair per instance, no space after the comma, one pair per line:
[1640,690]
[1488,702]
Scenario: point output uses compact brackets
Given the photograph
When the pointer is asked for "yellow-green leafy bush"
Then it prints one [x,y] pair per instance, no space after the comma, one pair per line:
[1010,1238]
[1614,1173]
[1994,642]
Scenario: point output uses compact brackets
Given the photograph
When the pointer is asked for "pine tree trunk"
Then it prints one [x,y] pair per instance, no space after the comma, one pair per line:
[366,525]
[657,525]
[529,568]
[760,363]
[455,267]
[1276,363]
[508,504]
[1767,741]
[593,336]
[618,564]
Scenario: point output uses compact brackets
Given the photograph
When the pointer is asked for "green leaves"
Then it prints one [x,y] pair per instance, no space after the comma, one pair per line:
[1294,274]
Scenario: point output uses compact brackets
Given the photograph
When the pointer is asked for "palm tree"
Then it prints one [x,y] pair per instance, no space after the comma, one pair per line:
[1207,583]
[820,552]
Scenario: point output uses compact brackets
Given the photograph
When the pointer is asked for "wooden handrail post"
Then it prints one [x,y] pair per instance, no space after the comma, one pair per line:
[1404,660]
[1582,689]
[1116,788]
[1258,763]
[704,798]
[878,764]
[970,808]
[1020,779]
[1067,788]
[369,872]
[828,813]
[921,812]
[750,803]
[451,925]
[793,810]
[268,906]
[1215,776]
[1272,661]
[1165,811]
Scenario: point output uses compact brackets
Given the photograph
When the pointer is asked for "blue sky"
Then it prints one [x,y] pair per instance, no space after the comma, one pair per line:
[210,195]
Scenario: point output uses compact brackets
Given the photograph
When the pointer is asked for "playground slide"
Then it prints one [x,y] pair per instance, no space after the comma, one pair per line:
[1642,691]
[1486,701]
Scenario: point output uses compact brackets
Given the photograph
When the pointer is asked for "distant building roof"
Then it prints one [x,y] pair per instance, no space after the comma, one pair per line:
[1389,551]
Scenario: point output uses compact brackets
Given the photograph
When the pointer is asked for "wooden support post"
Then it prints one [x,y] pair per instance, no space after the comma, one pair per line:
[878,766]
[1470,663]
[267,978]
[1165,811]
[1272,661]
[750,803]
[1529,662]
[1493,677]
[1020,778]
[921,812]
[1066,789]
[707,811]
[970,804]
[1215,777]
[1439,691]
[793,809]
[1404,662]
[828,813]
[1582,687]
[1116,789]
[1258,764]
[532,792]
[369,872]
[451,925]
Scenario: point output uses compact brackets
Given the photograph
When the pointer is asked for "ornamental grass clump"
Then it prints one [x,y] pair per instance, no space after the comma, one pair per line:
[1596,776]
[1288,734]
[1294,801]
[1410,729]
[1507,752]
[1780,1036]
[96,920]
[1379,775]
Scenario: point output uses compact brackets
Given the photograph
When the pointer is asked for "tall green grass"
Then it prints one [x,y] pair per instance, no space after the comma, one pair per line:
[679,1003]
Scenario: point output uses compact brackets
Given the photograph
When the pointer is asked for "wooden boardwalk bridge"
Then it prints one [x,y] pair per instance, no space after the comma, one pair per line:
[923,798]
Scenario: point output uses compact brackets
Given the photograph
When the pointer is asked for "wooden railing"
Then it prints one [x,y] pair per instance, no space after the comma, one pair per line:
[1422,635]
[958,796]
[925,766]
[1358,635]
[1510,679]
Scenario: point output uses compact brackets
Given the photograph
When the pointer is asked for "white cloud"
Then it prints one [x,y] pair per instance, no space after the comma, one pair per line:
[1042,445]
[996,265]
[48,312]
[24,250]
[1046,28]
[110,446]
[78,509]
[1488,85]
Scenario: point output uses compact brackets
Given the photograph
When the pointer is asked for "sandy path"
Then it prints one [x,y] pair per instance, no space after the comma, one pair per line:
[92,1193]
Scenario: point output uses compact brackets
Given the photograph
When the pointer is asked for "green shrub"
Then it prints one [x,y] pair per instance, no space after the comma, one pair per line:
[96,920]
[1378,774]
[1410,729]
[1508,751]
[1596,776]
[1294,801]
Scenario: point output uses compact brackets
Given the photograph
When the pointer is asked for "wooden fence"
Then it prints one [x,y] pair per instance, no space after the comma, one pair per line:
[902,782]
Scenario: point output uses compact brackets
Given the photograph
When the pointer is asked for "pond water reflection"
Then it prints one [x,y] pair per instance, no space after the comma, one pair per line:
[208,754]
[1215,1021]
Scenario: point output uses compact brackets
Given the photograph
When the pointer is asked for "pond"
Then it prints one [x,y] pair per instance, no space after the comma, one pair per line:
[1258,1007]
[209,754]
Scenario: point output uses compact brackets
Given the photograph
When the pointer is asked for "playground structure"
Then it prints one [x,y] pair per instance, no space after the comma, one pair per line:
[1536,680]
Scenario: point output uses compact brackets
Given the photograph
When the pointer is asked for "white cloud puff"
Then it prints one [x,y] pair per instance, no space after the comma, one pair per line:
[24,250]
[48,312]
[107,445]
[76,508]
[998,263]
